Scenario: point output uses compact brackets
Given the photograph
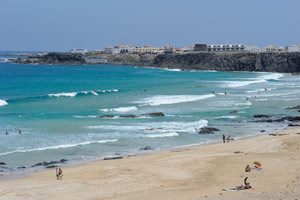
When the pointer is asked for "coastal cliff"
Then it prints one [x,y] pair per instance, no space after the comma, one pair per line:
[234,61]
[268,62]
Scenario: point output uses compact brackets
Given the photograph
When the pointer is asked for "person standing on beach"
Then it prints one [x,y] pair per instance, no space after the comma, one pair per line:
[224,138]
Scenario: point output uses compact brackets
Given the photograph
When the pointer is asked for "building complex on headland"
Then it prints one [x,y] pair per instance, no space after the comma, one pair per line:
[101,56]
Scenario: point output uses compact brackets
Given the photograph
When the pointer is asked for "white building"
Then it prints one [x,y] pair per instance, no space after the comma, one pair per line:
[150,50]
[119,49]
[225,47]
[252,48]
[81,51]
[293,48]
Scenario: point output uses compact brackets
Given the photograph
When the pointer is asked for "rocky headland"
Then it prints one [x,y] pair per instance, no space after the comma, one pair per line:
[285,62]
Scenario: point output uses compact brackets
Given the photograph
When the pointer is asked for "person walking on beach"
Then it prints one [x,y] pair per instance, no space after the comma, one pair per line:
[224,138]
[228,138]
[59,173]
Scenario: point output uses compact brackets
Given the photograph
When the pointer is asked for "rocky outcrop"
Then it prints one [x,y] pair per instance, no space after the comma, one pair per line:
[288,62]
[242,61]
[261,116]
[47,164]
[207,130]
[154,114]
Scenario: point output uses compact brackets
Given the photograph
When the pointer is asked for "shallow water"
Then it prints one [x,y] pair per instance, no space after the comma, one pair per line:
[57,109]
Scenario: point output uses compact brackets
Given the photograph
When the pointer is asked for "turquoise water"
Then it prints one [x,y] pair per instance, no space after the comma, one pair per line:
[57,109]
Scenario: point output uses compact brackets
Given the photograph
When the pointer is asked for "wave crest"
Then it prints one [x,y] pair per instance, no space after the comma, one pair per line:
[3,102]
[63,146]
[172,99]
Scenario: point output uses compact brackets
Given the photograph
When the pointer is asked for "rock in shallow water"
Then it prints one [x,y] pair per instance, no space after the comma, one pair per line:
[208,130]
[2,163]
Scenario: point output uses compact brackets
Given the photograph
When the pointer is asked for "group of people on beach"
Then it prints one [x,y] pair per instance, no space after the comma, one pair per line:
[17,130]
[227,139]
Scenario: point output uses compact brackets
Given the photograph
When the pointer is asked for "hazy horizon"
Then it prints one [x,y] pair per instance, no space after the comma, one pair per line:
[60,25]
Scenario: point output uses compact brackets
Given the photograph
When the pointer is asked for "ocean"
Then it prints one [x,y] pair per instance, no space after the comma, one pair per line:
[58,109]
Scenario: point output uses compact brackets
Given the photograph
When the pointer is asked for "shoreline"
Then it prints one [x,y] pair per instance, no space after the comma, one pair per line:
[262,147]
[17,174]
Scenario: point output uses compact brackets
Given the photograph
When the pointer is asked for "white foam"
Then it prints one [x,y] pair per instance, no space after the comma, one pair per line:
[88,116]
[64,94]
[121,109]
[235,84]
[171,134]
[262,79]
[3,102]
[227,117]
[63,146]
[248,103]
[173,70]
[73,94]
[261,99]
[272,76]
[172,99]
[161,127]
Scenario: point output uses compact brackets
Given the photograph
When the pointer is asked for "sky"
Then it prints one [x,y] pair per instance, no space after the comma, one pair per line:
[59,25]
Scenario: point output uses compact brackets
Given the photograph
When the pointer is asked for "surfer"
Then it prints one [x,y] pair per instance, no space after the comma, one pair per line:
[20,132]
[6,133]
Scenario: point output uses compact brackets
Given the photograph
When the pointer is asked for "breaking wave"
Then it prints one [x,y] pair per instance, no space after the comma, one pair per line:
[121,109]
[73,94]
[172,99]
[161,127]
[63,146]
[3,102]
[262,79]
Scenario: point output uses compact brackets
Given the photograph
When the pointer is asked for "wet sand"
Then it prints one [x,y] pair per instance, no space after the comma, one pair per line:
[200,172]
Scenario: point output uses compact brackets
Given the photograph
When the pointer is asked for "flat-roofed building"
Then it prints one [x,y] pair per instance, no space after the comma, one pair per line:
[200,47]
[150,50]
[252,48]
[80,51]
[225,47]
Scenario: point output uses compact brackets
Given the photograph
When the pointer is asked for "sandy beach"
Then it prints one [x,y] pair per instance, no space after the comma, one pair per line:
[200,172]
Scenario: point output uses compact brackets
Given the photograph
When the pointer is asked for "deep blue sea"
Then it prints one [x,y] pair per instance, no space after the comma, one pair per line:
[57,109]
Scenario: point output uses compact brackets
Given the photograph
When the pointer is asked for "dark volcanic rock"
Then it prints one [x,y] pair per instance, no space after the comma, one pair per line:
[261,116]
[51,166]
[2,163]
[154,114]
[208,130]
[292,118]
[270,120]
[106,116]
[295,107]
[292,125]
[128,116]
[239,61]
[113,158]
[62,161]
[146,148]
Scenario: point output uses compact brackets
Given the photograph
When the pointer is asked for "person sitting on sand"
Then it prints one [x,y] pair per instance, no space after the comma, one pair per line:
[247,184]
[59,173]
[247,168]
[257,165]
